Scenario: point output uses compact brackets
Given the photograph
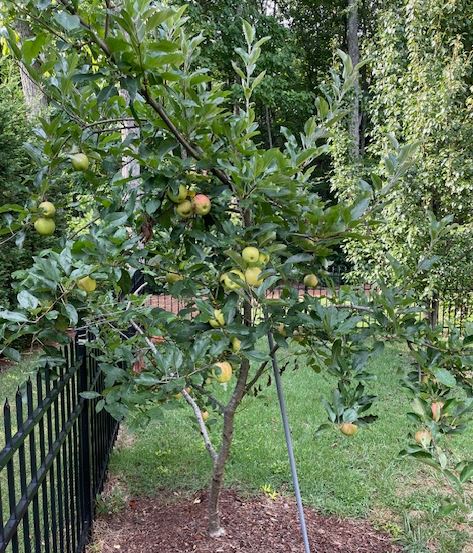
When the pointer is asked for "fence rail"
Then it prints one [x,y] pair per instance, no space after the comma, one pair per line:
[55,458]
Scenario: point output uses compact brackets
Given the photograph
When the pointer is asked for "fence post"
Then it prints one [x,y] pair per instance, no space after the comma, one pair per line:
[84,440]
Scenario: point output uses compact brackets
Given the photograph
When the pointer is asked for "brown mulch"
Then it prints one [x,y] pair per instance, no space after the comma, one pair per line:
[257,525]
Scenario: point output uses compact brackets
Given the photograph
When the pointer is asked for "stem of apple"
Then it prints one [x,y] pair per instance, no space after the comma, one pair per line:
[290,449]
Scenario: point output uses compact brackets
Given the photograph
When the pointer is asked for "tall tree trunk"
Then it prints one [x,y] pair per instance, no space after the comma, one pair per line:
[35,100]
[354,53]
[268,126]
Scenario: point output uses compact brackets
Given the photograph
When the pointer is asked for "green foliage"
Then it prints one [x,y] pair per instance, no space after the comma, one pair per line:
[421,92]
[14,170]
[284,98]
[138,70]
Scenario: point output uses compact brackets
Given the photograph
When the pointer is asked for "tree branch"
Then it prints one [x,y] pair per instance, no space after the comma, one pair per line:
[203,428]
[153,103]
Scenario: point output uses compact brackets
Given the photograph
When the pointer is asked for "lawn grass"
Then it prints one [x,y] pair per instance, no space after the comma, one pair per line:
[358,477]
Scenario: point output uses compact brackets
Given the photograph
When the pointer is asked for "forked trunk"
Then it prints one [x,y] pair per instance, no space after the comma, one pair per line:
[215,528]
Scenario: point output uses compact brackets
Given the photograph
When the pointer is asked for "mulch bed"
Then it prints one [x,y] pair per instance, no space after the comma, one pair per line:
[257,525]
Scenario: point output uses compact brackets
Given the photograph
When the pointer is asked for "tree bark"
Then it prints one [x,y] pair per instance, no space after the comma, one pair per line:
[354,53]
[215,528]
[35,100]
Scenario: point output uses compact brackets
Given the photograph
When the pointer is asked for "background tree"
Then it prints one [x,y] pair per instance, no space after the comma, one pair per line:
[421,91]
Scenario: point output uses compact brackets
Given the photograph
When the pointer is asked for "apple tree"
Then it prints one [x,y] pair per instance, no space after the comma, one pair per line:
[212,217]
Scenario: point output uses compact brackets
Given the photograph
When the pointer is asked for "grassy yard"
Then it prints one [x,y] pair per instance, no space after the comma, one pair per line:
[358,477]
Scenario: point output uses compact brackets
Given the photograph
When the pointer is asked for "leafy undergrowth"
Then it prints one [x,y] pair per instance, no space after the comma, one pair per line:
[361,476]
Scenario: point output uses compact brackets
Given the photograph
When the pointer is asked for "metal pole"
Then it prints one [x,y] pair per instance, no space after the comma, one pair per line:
[290,449]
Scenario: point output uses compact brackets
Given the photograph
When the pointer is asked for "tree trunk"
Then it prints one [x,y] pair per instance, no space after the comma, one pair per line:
[268,126]
[354,53]
[35,100]
[215,528]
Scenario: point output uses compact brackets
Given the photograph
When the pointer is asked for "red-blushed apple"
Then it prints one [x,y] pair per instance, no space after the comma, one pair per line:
[201,204]
[423,437]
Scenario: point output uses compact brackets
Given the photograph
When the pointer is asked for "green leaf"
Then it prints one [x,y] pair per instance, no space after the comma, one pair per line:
[71,313]
[90,395]
[27,300]
[445,377]
[67,20]
[12,354]
[467,472]
[13,316]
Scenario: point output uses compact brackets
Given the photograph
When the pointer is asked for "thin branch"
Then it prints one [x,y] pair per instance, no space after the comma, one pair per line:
[261,369]
[153,103]
[203,428]
[213,399]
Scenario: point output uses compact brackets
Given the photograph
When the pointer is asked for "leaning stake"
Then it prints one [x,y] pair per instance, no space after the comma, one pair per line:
[290,450]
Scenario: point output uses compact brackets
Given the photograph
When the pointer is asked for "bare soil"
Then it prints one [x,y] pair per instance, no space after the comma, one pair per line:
[254,525]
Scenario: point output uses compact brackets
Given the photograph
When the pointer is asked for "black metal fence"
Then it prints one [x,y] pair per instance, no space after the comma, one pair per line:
[54,459]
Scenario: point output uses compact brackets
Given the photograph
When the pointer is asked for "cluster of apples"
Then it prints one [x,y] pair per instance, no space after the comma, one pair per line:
[254,260]
[45,225]
[188,203]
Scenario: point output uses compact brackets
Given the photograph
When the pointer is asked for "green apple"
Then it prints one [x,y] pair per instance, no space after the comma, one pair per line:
[229,283]
[236,344]
[87,284]
[263,259]
[184,209]
[180,196]
[201,204]
[252,276]
[250,255]
[173,277]
[311,281]
[218,321]
[44,226]
[80,162]
[48,209]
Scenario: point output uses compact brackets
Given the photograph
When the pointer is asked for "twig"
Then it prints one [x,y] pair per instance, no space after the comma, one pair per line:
[261,370]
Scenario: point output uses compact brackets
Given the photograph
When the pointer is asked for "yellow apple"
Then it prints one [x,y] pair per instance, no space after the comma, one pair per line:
[184,209]
[225,372]
[180,196]
[311,281]
[250,255]
[80,162]
[263,258]
[348,428]
[87,284]
[218,321]
[44,226]
[236,344]
[229,283]
[201,204]
[205,415]
[252,276]
[48,209]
